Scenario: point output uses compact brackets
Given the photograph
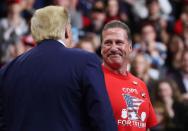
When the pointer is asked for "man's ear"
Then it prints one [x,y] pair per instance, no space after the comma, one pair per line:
[130,46]
[68,36]
[66,33]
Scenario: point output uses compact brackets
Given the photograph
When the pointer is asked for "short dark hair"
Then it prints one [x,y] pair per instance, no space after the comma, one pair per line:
[117,24]
[147,23]
[148,2]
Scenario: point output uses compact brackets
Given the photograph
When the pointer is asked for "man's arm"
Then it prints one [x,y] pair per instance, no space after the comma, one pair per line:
[98,106]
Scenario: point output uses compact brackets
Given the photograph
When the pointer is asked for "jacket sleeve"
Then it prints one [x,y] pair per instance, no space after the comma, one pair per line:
[97,103]
[2,124]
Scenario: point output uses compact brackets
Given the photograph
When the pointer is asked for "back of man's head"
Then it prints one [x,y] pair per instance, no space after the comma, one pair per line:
[49,23]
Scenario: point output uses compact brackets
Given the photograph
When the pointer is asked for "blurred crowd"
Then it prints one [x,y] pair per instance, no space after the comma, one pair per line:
[160,44]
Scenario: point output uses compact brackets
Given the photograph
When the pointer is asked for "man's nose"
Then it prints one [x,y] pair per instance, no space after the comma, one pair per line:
[114,47]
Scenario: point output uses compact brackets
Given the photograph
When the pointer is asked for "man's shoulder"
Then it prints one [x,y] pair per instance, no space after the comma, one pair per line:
[137,80]
[81,54]
[57,49]
[80,51]
[15,60]
[60,48]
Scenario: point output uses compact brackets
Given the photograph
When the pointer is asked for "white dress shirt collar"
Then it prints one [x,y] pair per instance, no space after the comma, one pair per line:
[61,42]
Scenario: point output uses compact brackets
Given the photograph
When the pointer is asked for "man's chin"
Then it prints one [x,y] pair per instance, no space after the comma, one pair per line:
[115,59]
[115,65]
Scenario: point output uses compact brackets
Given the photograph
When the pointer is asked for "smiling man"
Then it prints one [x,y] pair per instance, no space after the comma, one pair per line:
[128,94]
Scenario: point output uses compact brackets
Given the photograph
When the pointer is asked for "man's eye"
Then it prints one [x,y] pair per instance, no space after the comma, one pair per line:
[119,43]
[107,43]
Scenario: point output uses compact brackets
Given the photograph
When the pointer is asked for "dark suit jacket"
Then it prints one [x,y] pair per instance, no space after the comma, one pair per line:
[53,88]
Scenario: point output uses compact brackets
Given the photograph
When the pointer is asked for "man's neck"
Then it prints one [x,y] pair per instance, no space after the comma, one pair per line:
[121,71]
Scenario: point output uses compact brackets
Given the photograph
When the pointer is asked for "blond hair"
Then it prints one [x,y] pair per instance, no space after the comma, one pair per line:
[49,23]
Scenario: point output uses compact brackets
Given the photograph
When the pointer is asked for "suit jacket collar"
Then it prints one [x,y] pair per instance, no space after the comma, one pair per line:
[51,41]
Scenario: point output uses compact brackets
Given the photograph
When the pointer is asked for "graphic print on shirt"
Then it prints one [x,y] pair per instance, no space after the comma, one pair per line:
[130,114]
[133,105]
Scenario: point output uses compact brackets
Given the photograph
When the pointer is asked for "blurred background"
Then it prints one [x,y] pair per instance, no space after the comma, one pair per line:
[160,44]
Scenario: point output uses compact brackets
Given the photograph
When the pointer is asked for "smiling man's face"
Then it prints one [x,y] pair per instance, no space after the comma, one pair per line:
[115,47]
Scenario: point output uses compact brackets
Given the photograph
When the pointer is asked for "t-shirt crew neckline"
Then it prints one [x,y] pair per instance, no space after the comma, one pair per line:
[128,76]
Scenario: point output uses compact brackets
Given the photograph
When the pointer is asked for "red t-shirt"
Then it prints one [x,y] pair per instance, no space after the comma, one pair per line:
[130,102]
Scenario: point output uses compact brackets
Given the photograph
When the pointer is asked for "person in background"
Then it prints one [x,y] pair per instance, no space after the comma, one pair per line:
[12,48]
[11,27]
[13,23]
[141,68]
[163,118]
[155,51]
[161,20]
[180,76]
[97,18]
[28,9]
[181,21]
[139,7]
[128,94]
[52,87]
[113,10]
[167,93]
[86,44]
[174,53]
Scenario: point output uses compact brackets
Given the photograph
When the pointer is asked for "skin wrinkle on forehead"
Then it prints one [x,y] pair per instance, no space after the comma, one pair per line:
[113,31]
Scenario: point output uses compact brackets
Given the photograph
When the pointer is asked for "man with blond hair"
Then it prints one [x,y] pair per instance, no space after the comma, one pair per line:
[52,87]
